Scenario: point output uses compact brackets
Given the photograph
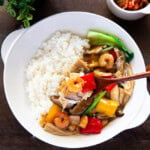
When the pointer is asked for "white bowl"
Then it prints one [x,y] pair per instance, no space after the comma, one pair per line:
[127,14]
[22,46]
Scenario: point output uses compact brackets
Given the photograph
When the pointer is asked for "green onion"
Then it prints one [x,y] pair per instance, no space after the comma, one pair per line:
[96,100]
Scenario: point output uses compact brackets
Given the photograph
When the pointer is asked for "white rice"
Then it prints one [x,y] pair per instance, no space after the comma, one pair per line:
[46,69]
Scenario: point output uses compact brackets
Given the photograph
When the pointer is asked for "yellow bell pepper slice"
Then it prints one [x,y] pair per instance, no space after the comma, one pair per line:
[49,117]
[54,109]
[107,107]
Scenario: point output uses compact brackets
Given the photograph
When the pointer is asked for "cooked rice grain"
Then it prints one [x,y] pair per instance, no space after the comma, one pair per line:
[47,68]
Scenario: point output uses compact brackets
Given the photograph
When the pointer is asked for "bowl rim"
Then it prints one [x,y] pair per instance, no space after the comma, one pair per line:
[63,13]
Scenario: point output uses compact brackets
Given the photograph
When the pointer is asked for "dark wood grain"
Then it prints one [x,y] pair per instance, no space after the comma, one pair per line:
[14,137]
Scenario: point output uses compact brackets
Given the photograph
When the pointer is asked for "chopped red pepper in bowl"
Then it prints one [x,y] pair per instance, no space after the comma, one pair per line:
[132,4]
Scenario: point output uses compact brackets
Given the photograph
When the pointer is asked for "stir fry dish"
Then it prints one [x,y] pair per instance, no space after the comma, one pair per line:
[132,4]
[80,107]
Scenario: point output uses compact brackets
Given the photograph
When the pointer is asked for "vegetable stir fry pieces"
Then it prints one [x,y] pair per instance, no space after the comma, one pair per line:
[78,108]
[98,38]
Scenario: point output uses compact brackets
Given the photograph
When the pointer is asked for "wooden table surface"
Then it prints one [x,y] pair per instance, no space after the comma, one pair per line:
[14,137]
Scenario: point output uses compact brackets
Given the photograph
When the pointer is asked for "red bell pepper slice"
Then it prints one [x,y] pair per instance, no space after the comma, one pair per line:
[110,87]
[89,82]
[94,126]
[113,53]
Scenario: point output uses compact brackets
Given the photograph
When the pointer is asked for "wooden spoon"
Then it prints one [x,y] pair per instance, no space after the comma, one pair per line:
[103,82]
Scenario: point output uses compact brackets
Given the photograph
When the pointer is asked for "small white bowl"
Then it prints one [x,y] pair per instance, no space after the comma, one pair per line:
[127,14]
[21,45]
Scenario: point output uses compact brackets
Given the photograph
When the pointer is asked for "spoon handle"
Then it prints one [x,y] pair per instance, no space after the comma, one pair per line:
[133,77]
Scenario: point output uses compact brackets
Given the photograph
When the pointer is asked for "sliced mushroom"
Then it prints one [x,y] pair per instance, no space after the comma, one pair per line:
[49,127]
[73,96]
[126,99]
[80,65]
[119,112]
[123,69]
[95,50]
[103,116]
[119,63]
[61,103]
[55,99]
[118,74]
[128,86]
[114,93]
[81,106]
[121,95]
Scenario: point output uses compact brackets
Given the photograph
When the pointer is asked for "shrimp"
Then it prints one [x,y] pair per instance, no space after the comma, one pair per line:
[106,60]
[75,84]
[62,120]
